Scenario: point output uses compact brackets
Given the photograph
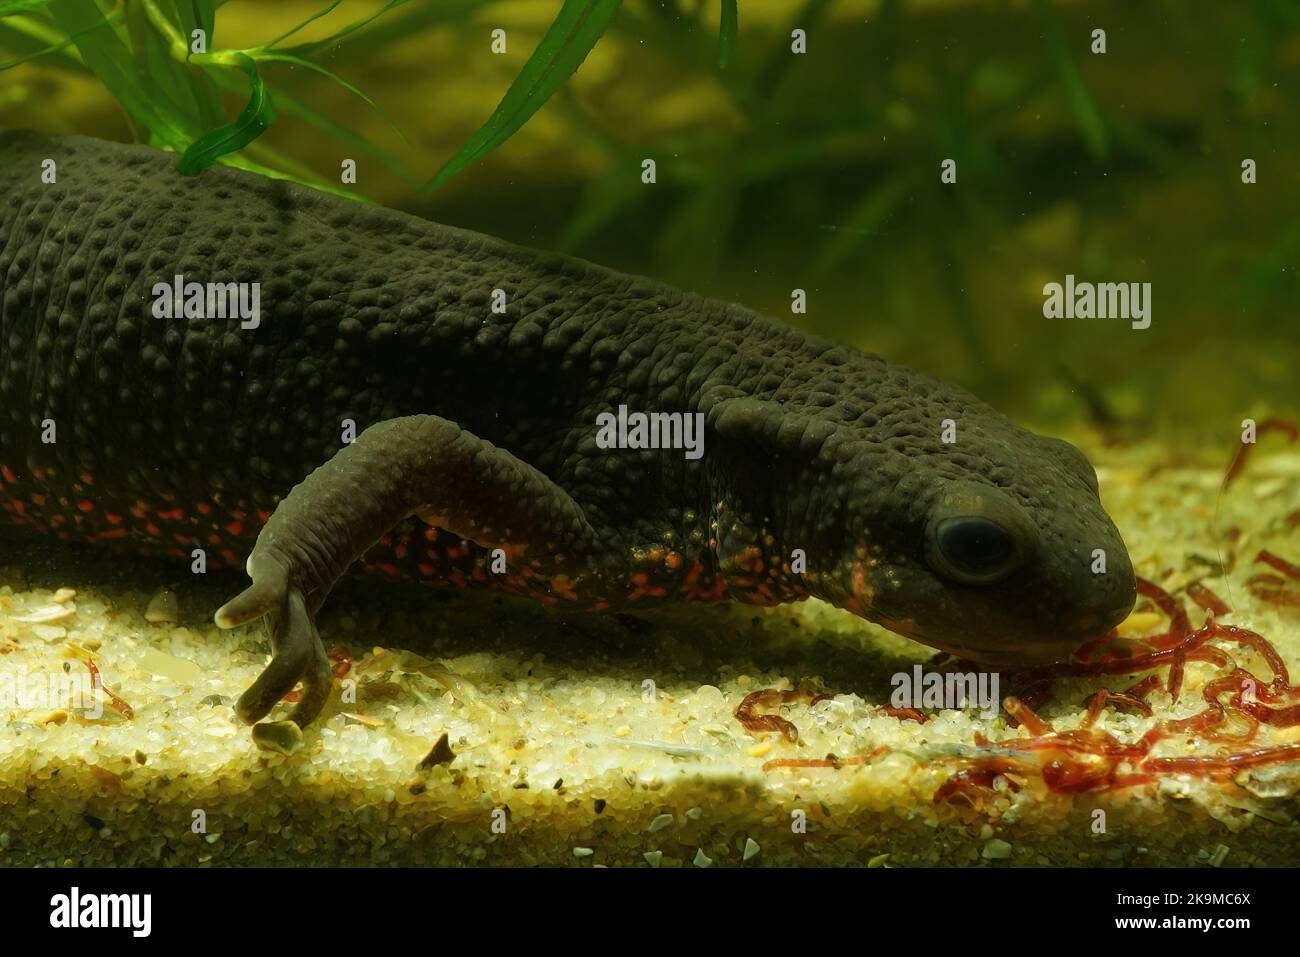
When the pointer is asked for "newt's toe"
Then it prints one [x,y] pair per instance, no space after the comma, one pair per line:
[298,656]
[265,595]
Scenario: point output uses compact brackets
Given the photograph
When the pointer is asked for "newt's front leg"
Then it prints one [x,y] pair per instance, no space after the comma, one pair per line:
[420,464]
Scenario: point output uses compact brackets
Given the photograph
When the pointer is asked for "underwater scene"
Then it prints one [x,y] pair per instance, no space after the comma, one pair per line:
[691,434]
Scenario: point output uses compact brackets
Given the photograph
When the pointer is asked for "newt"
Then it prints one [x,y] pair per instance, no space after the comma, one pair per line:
[423,402]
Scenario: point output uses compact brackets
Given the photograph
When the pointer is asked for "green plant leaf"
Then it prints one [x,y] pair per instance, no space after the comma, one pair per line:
[575,30]
[20,33]
[284,103]
[412,20]
[727,32]
[863,220]
[239,161]
[305,49]
[271,56]
[1091,124]
[105,52]
[185,92]
[248,126]
[324,11]
[9,7]
[198,15]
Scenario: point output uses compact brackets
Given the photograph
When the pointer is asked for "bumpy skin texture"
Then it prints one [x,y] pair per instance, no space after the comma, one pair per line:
[185,433]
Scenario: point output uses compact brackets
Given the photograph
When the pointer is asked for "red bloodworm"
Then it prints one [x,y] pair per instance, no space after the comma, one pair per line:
[1281,564]
[1243,451]
[1179,625]
[1026,716]
[1143,688]
[1223,763]
[1266,579]
[1086,759]
[1288,599]
[1122,699]
[830,761]
[903,714]
[1207,599]
[342,659]
[969,782]
[97,681]
[767,697]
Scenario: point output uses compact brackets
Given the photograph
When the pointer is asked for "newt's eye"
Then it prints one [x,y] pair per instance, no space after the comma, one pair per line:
[977,535]
[974,549]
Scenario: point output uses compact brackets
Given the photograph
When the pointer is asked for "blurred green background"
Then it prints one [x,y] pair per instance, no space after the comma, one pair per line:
[822,171]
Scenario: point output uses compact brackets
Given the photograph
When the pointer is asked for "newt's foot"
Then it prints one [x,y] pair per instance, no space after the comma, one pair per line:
[298,652]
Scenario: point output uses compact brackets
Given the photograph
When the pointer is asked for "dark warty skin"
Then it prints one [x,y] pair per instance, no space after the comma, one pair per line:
[476,463]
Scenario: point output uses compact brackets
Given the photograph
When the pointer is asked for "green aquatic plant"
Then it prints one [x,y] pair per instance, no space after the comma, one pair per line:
[572,35]
[160,62]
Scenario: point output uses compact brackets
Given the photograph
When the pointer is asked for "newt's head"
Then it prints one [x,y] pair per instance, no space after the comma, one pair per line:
[993,547]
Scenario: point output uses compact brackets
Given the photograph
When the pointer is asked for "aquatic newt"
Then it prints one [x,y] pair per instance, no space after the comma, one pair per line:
[472,375]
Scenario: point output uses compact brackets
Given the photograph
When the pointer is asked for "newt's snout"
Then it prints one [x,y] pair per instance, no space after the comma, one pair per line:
[1014,563]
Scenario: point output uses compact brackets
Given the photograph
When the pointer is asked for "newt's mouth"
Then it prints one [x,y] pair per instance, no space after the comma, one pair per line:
[1005,656]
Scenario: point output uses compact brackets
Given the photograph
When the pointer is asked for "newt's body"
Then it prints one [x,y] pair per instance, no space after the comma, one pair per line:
[478,428]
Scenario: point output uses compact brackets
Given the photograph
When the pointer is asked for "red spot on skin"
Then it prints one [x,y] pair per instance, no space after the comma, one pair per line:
[235,528]
[203,508]
[172,515]
[859,579]
[38,500]
[86,505]
[153,529]
[431,534]
[426,569]
[400,551]
[562,585]
[263,515]
[229,557]
[8,475]
[87,478]
[113,518]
